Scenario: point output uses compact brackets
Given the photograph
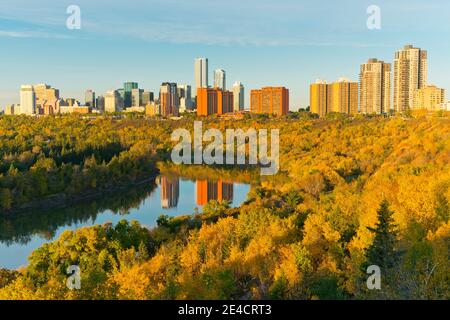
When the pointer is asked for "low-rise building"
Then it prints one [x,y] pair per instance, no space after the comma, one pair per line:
[428,98]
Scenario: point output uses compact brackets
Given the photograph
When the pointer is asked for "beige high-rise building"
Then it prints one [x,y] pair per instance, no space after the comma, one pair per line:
[375,87]
[338,97]
[11,110]
[343,97]
[429,98]
[113,102]
[410,74]
[27,100]
[318,97]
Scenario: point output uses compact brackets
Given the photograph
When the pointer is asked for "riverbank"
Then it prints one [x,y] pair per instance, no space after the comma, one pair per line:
[63,200]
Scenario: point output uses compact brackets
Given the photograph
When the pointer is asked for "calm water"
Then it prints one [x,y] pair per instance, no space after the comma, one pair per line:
[169,195]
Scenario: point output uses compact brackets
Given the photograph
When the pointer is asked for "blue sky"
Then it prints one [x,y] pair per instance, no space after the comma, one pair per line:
[258,42]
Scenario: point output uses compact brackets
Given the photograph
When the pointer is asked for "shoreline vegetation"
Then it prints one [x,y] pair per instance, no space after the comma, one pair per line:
[64,201]
[352,192]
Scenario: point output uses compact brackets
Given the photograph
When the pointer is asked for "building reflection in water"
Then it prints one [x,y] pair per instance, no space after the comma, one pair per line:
[205,191]
[170,192]
[218,190]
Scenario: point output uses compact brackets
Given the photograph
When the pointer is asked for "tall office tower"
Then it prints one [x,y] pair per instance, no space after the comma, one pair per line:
[127,93]
[169,101]
[185,96]
[113,101]
[214,101]
[270,100]
[410,74]
[27,100]
[343,97]
[170,191]
[100,103]
[238,96]
[375,87]
[213,190]
[318,97]
[90,98]
[201,73]
[147,97]
[136,97]
[220,79]
[429,98]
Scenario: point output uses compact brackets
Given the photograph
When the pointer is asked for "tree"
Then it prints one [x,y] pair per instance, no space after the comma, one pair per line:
[384,250]
[5,199]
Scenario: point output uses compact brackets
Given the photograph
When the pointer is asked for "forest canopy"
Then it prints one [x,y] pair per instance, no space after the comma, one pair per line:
[351,192]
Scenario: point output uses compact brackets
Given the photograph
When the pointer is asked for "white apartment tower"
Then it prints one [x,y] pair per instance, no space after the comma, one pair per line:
[410,74]
[113,102]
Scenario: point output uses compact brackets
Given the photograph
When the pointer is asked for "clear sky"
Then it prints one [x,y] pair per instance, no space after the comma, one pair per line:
[259,42]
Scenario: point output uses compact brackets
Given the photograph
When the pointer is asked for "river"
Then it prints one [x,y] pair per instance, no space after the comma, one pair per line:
[170,194]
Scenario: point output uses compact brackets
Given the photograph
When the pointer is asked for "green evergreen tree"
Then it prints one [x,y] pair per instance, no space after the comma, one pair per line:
[384,250]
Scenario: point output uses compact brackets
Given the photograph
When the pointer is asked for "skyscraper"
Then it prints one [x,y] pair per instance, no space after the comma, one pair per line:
[201,73]
[270,100]
[410,74]
[136,97]
[100,103]
[147,97]
[220,79]
[113,101]
[318,97]
[375,87]
[169,101]
[90,98]
[27,100]
[239,96]
[127,93]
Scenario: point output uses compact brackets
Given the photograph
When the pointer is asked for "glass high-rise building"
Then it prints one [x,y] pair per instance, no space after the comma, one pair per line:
[90,98]
[147,97]
[127,93]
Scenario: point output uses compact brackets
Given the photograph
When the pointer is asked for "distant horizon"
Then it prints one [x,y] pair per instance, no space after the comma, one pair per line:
[290,44]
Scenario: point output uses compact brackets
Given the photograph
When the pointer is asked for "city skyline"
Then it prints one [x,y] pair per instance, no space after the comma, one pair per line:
[305,53]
